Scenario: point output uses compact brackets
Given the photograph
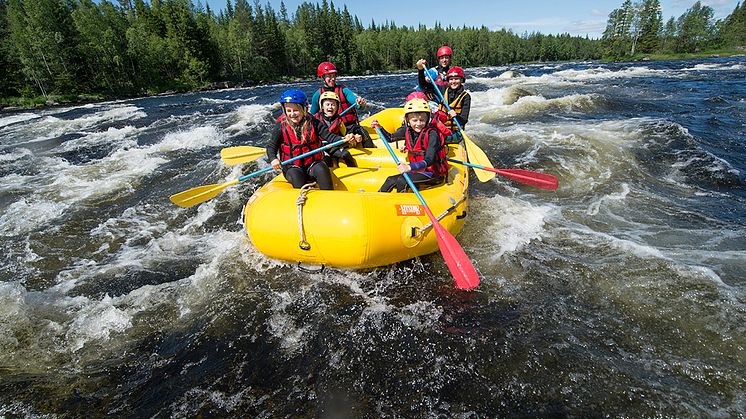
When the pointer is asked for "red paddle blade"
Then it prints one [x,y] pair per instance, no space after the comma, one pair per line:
[458,263]
[537,179]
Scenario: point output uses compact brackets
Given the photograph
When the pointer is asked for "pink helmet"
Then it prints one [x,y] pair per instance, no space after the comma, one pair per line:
[326,68]
[456,72]
[416,95]
[444,50]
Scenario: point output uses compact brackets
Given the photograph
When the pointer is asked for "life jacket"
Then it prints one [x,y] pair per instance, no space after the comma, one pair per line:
[418,147]
[439,120]
[455,104]
[335,126]
[350,118]
[442,80]
[292,146]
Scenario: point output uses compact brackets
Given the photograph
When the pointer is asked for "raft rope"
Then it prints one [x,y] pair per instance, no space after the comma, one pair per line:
[454,204]
[303,244]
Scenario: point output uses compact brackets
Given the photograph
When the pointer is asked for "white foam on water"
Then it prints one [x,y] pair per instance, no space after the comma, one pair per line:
[23,216]
[62,184]
[190,139]
[594,207]
[513,222]
[15,154]
[282,325]
[569,77]
[227,101]
[97,322]
[251,116]
[715,67]
[536,104]
[593,153]
[47,127]
[111,135]
[12,119]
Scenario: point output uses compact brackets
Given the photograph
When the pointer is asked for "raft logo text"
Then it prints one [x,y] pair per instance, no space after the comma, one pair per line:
[407,210]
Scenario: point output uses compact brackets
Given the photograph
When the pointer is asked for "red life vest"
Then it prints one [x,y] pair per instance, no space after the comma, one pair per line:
[350,118]
[335,126]
[292,146]
[419,147]
[441,80]
[438,121]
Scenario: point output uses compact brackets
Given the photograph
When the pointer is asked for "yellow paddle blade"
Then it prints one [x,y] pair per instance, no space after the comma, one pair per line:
[199,194]
[241,154]
[477,156]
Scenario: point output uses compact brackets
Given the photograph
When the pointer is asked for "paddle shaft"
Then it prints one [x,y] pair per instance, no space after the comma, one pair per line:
[443,100]
[312,152]
[528,177]
[348,109]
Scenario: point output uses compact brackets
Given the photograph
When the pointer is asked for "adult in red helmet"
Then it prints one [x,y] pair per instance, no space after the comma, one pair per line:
[444,64]
[347,98]
[457,98]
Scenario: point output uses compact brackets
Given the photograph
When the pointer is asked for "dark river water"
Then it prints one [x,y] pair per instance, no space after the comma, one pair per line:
[622,293]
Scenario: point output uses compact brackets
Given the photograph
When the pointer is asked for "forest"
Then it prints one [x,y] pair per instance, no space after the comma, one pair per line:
[52,49]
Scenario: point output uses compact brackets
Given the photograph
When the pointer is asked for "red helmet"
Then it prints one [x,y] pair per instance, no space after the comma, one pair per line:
[326,68]
[416,95]
[444,50]
[456,72]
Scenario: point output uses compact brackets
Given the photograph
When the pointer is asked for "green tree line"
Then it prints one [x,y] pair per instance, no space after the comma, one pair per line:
[638,28]
[133,47]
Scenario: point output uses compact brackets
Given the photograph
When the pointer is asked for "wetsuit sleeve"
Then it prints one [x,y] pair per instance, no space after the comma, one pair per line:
[425,85]
[273,145]
[351,97]
[314,103]
[463,117]
[431,154]
[323,131]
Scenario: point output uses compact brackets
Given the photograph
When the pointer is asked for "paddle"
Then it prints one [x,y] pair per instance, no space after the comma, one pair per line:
[356,106]
[473,152]
[203,193]
[540,180]
[241,154]
[458,263]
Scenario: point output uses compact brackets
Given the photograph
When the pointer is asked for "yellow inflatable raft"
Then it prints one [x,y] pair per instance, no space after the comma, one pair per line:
[354,226]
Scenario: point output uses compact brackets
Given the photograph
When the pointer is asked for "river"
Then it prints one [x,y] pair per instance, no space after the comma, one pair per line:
[622,293]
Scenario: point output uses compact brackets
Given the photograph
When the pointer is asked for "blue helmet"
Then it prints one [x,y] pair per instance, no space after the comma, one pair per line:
[432,74]
[294,96]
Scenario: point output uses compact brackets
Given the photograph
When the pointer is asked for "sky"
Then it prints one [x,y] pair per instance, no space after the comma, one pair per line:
[577,17]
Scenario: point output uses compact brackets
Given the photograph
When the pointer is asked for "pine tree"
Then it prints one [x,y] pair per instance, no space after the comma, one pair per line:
[651,23]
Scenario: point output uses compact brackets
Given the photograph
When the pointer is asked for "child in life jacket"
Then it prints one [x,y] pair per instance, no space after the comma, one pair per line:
[298,132]
[347,99]
[425,146]
[454,94]
[329,116]
[438,118]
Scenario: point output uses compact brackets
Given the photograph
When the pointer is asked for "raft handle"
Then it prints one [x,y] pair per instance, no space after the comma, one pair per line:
[462,216]
[311,271]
